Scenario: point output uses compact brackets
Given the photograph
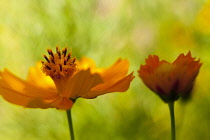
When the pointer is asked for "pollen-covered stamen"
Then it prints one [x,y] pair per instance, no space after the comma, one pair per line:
[74,59]
[46,58]
[58,52]
[68,56]
[64,61]
[48,67]
[64,52]
[50,53]
[59,65]
[52,60]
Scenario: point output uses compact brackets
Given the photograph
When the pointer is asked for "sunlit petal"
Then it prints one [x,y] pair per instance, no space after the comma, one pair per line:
[37,77]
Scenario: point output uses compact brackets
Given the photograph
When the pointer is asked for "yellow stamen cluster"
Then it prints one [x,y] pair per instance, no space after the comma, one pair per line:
[59,64]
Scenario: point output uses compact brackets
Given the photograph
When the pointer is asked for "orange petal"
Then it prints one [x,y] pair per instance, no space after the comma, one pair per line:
[24,100]
[62,103]
[80,84]
[183,60]
[30,96]
[170,80]
[12,82]
[189,68]
[114,73]
[153,60]
[120,86]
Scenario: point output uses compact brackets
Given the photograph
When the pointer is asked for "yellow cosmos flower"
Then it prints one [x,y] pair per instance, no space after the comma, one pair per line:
[59,81]
[170,80]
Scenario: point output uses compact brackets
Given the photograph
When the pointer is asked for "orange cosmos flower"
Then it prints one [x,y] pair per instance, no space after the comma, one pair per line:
[59,81]
[170,80]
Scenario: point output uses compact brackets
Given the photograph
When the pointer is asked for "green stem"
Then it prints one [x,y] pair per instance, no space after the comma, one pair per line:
[173,129]
[71,130]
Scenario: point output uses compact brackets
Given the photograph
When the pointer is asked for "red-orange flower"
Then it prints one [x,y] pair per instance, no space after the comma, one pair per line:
[59,81]
[170,80]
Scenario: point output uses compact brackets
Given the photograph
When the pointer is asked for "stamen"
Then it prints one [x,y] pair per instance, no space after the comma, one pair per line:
[57,48]
[48,67]
[50,52]
[59,65]
[74,60]
[68,57]
[52,59]
[64,52]
[58,52]
[46,58]
[64,61]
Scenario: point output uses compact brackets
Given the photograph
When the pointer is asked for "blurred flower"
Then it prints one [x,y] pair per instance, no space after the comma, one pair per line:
[170,80]
[62,80]
[202,21]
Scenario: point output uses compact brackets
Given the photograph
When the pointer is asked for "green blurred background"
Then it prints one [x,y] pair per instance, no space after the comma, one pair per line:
[105,30]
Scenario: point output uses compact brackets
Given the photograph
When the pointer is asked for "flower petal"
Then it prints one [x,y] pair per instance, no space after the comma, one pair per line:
[86,63]
[12,82]
[120,86]
[114,73]
[189,69]
[62,103]
[24,100]
[149,74]
[37,77]
[170,80]
[80,84]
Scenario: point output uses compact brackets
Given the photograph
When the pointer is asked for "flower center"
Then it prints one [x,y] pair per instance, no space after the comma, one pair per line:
[59,65]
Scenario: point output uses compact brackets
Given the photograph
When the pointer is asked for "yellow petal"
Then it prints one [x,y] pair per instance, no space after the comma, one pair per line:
[86,63]
[37,77]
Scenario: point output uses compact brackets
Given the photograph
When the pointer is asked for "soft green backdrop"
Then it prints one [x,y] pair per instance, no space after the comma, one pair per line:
[105,30]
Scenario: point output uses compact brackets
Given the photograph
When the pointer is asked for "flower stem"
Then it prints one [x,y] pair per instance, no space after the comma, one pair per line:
[173,129]
[71,130]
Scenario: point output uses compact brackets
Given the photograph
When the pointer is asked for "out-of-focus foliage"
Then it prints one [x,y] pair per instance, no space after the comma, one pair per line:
[105,30]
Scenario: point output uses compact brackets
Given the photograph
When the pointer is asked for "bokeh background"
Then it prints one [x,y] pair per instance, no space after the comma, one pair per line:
[105,30]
